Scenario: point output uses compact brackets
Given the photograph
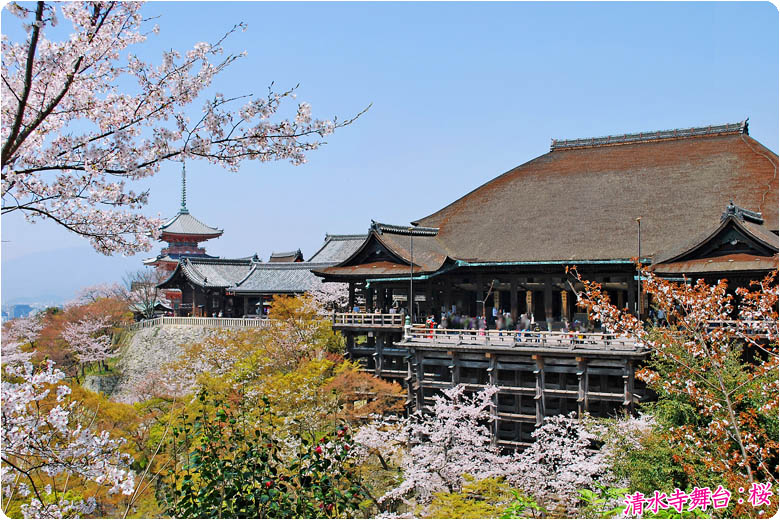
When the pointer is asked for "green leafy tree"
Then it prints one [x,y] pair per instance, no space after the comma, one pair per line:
[228,466]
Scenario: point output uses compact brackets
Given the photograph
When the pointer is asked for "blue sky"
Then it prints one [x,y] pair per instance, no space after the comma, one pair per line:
[461,92]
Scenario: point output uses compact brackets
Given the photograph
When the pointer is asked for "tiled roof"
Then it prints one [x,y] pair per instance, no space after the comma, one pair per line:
[216,272]
[581,203]
[185,224]
[338,248]
[273,277]
[287,256]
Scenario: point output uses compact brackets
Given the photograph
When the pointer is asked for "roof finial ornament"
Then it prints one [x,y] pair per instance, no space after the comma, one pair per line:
[183,188]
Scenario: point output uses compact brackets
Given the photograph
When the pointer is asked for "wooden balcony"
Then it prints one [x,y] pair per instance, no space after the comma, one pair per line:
[367,321]
[421,336]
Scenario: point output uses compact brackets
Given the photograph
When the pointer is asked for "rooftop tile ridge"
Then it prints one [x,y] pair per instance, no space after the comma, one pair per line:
[652,136]
[220,261]
[404,230]
[291,265]
[353,236]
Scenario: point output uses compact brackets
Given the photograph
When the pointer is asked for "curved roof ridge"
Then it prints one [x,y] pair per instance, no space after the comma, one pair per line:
[251,270]
[185,224]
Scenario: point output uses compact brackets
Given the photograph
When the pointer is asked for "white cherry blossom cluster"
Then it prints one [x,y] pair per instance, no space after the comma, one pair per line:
[330,296]
[18,333]
[42,440]
[89,339]
[452,439]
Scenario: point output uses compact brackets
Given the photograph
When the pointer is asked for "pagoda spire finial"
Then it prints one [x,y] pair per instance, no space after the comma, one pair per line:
[183,189]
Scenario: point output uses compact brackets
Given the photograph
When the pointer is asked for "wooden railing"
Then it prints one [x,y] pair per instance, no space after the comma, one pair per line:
[213,323]
[747,327]
[511,338]
[368,319]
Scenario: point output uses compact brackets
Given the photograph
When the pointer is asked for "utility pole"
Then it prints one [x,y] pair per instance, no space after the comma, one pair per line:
[638,272]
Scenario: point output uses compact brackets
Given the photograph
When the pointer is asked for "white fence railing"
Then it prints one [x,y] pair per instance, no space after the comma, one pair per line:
[511,338]
[213,323]
[370,319]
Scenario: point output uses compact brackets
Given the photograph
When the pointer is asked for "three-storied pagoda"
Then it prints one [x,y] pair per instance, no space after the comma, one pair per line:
[183,233]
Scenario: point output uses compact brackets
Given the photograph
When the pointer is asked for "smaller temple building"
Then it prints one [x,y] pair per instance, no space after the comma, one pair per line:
[245,287]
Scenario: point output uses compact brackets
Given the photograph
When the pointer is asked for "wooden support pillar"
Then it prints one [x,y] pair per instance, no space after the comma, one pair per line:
[454,368]
[380,298]
[447,296]
[246,305]
[349,343]
[621,300]
[429,308]
[631,296]
[493,379]
[539,395]
[351,296]
[513,299]
[480,297]
[418,372]
[368,294]
[379,347]
[548,296]
[582,390]
[410,380]
[628,385]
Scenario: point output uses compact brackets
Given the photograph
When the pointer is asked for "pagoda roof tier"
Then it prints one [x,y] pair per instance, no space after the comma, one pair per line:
[186,225]
[175,257]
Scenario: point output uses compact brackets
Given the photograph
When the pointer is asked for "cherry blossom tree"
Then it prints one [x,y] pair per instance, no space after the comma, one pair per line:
[330,296]
[725,368]
[451,442]
[82,117]
[142,291]
[90,340]
[46,452]
[18,333]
